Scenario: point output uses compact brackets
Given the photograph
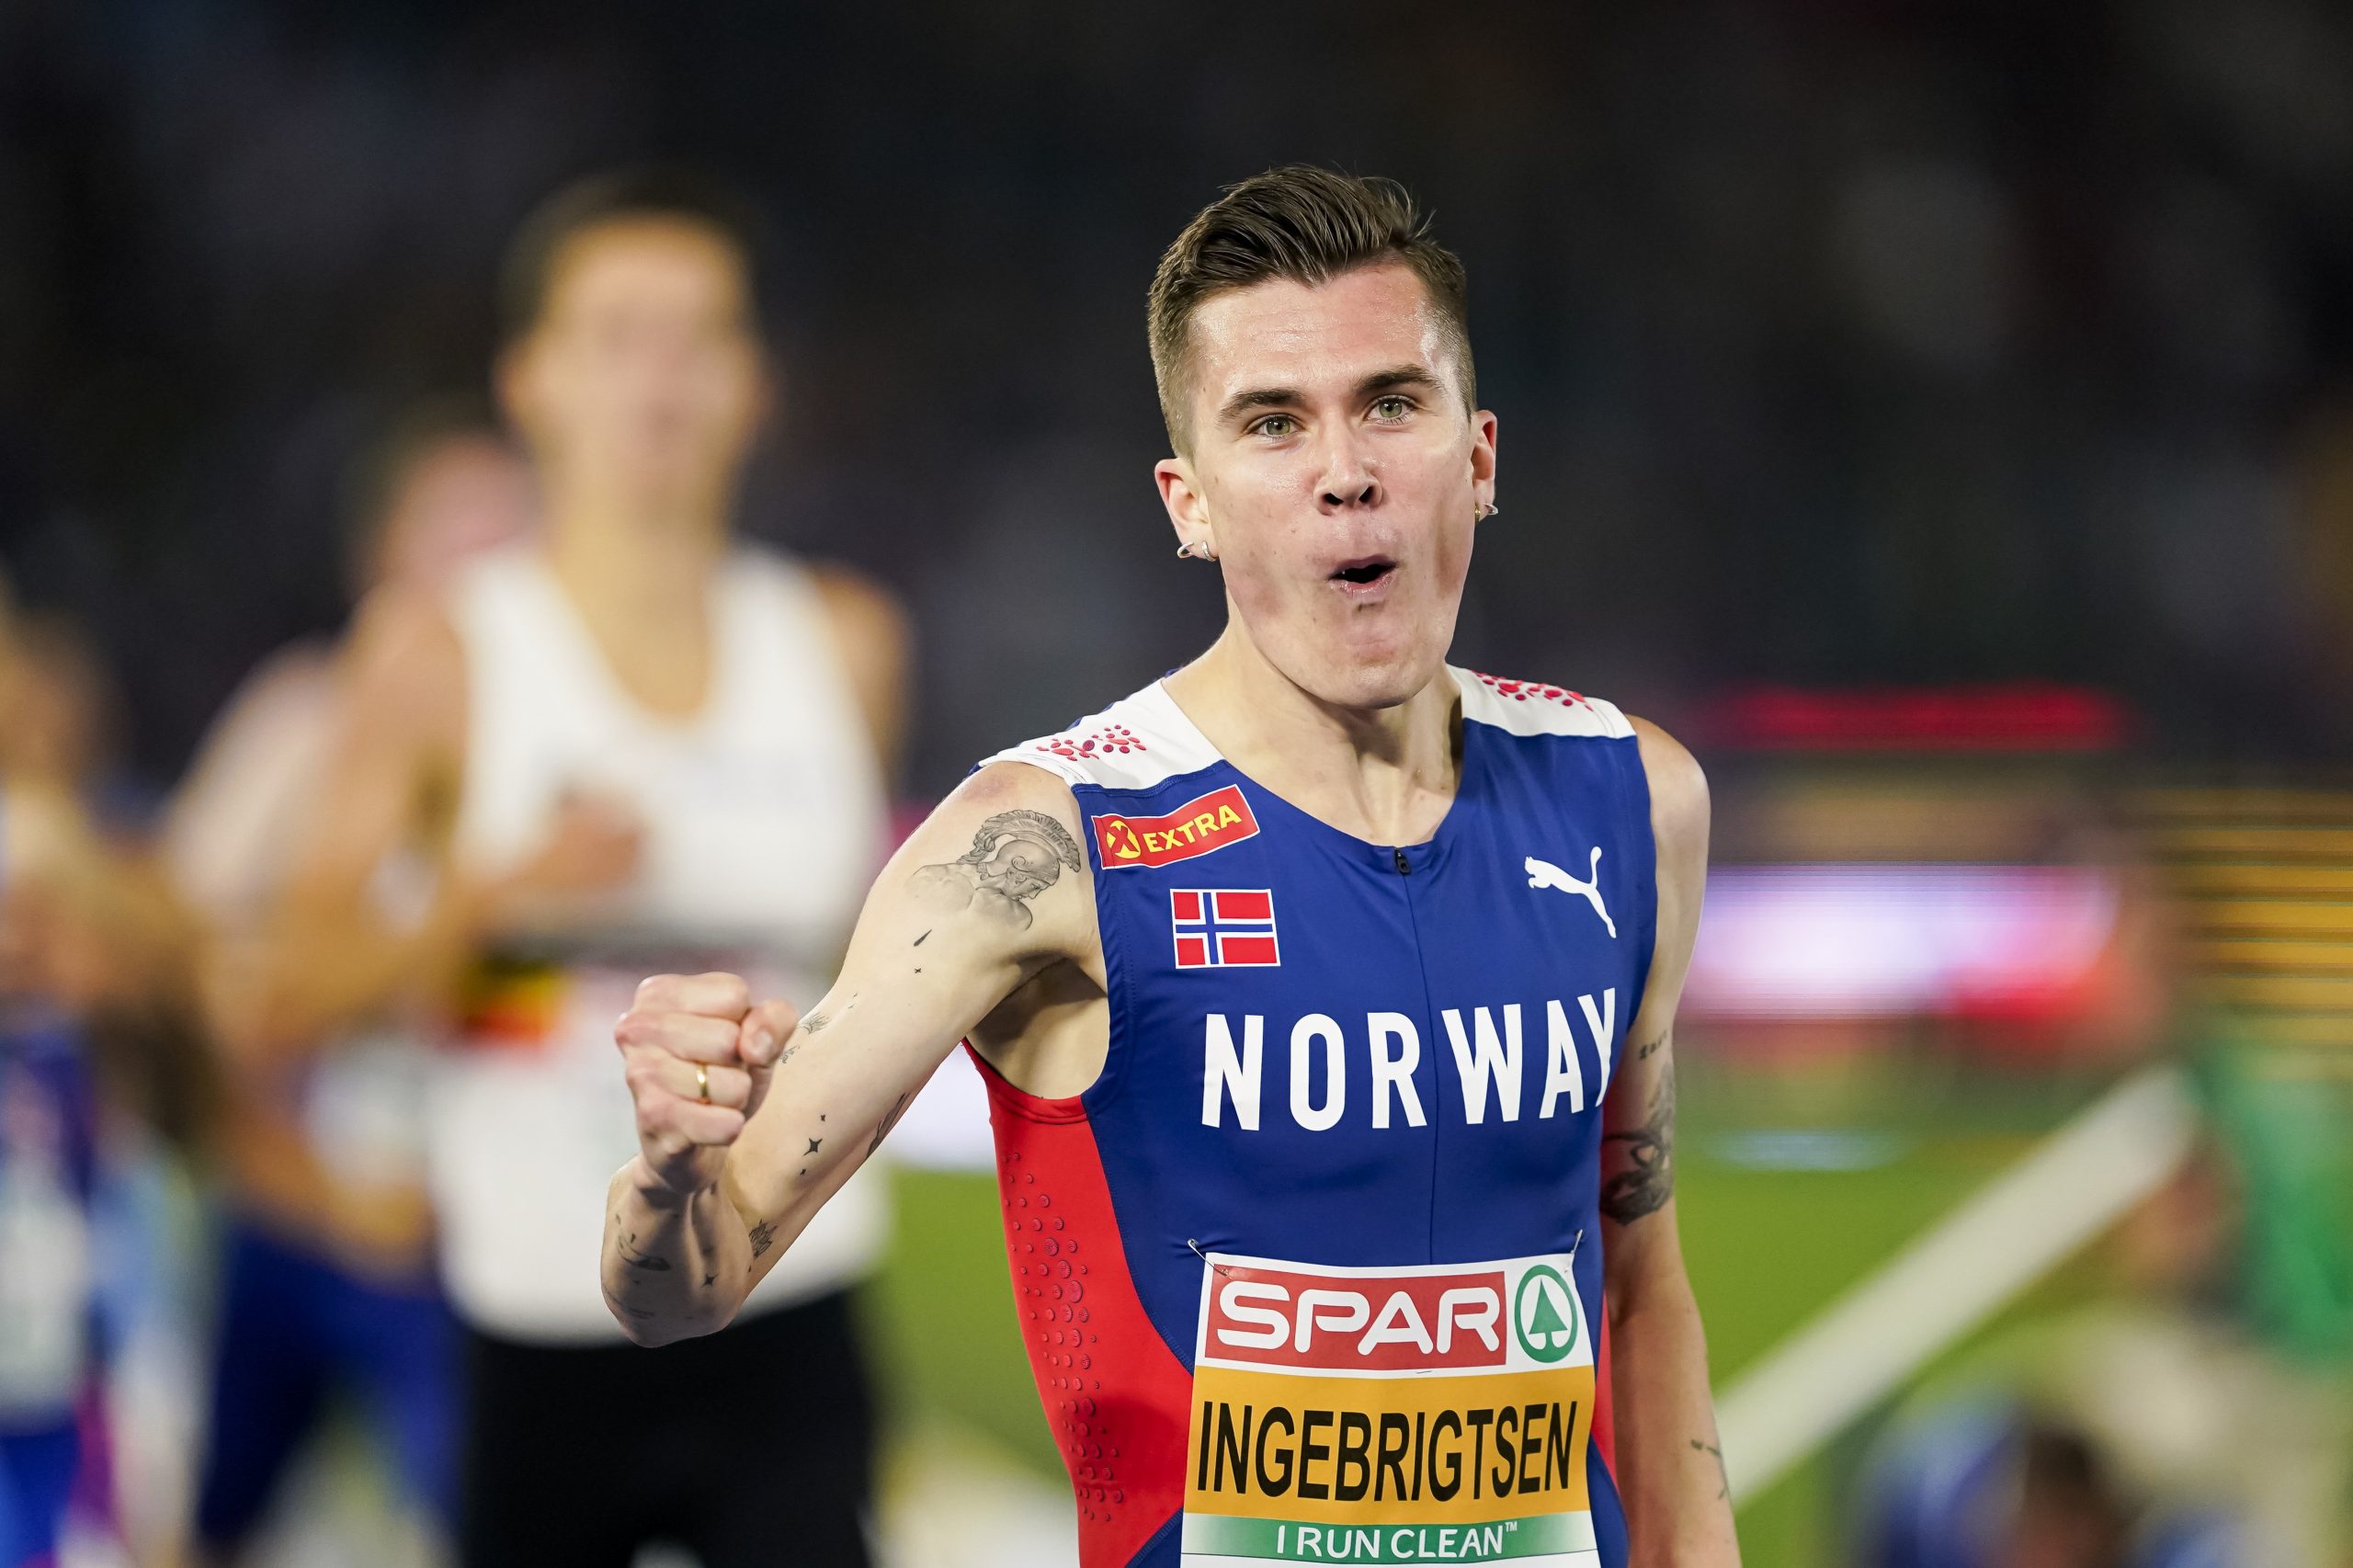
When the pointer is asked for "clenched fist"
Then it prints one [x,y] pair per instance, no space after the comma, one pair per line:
[698,1056]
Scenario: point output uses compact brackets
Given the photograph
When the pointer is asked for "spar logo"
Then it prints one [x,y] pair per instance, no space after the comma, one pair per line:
[1544,1314]
[1208,823]
[1306,1321]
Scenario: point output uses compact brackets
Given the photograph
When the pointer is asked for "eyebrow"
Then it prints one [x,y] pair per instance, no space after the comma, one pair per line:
[1288,397]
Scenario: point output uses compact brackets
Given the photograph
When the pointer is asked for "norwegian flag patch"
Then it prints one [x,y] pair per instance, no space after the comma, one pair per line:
[1223,928]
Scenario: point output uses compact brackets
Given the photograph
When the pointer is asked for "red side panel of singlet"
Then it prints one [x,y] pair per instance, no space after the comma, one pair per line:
[1116,1398]
[1605,1423]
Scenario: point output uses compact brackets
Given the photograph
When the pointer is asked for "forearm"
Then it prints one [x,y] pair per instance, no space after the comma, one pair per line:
[329,967]
[1670,1465]
[674,1265]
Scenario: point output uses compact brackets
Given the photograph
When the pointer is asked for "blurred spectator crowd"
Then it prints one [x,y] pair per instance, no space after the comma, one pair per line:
[1832,343]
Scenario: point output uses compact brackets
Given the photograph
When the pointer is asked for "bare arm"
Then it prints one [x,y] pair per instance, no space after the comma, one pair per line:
[328,955]
[1670,1462]
[390,780]
[991,889]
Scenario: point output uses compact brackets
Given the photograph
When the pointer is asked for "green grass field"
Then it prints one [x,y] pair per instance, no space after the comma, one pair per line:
[1766,1248]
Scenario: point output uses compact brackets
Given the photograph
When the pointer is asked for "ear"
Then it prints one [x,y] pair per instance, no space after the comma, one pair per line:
[1483,460]
[1187,508]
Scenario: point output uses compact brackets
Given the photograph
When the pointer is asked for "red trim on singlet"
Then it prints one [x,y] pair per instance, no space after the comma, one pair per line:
[1115,1396]
[1605,1418]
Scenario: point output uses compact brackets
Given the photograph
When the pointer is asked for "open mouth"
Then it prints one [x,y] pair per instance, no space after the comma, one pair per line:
[1371,569]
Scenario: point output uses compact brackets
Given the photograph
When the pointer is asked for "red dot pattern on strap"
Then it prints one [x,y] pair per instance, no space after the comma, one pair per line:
[1522,690]
[1115,738]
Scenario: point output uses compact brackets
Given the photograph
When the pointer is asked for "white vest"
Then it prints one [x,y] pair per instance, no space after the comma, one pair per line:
[764,822]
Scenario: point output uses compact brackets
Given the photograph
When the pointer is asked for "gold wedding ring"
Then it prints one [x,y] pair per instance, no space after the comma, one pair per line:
[702,1082]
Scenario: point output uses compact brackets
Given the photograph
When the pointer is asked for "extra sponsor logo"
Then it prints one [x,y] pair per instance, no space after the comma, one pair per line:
[1198,827]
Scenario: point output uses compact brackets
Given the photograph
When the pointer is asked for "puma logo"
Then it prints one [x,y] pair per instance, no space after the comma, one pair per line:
[1544,874]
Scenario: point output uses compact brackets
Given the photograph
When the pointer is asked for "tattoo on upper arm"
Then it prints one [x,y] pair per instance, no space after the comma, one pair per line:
[814,1024]
[763,1238]
[1646,1180]
[1015,857]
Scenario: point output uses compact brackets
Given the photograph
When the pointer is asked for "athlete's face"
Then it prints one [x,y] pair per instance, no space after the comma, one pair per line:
[644,381]
[1336,475]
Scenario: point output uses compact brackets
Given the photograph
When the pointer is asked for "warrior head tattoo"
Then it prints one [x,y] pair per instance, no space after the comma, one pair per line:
[1016,856]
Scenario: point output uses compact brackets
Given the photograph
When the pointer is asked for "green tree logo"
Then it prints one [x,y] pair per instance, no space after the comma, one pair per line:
[1544,1314]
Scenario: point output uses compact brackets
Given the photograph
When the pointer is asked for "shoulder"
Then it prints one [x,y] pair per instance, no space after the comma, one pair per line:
[866,617]
[1679,790]
[289,692]
[1005,836]
[1141,742]
[1537,708]
[271,727]
[1012,786]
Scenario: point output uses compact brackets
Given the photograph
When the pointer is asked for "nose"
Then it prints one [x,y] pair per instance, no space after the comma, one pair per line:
[1349,480]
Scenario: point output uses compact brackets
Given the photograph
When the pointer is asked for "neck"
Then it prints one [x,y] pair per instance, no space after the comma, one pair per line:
[633,561]
[1384,774]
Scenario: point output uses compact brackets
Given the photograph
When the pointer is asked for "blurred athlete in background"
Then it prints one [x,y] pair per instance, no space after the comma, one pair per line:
[1327,988]
[636,744]
[94,972]
[327,1279]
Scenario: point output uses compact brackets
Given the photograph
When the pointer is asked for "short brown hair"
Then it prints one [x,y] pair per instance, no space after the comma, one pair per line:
[1307,225]
[639,193]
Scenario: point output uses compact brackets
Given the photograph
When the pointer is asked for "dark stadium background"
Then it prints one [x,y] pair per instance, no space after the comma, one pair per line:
[1832,342]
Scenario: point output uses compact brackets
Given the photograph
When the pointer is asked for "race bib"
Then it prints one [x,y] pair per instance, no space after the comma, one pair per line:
[1390,1416]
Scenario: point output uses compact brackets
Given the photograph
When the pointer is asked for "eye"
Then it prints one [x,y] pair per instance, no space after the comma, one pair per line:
[1276,425]
[1392,406]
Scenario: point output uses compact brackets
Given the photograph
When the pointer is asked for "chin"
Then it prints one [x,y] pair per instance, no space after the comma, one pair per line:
[1375,681]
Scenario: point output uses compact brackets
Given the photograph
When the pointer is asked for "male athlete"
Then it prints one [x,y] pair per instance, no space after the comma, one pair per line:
[327,1244]
[611,743]
[1325,992]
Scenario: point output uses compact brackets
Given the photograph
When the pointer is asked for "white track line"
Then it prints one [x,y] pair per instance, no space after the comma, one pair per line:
[2074,1185]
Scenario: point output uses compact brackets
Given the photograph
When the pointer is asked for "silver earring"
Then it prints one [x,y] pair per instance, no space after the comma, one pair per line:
[1194,547]
[1488,509]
